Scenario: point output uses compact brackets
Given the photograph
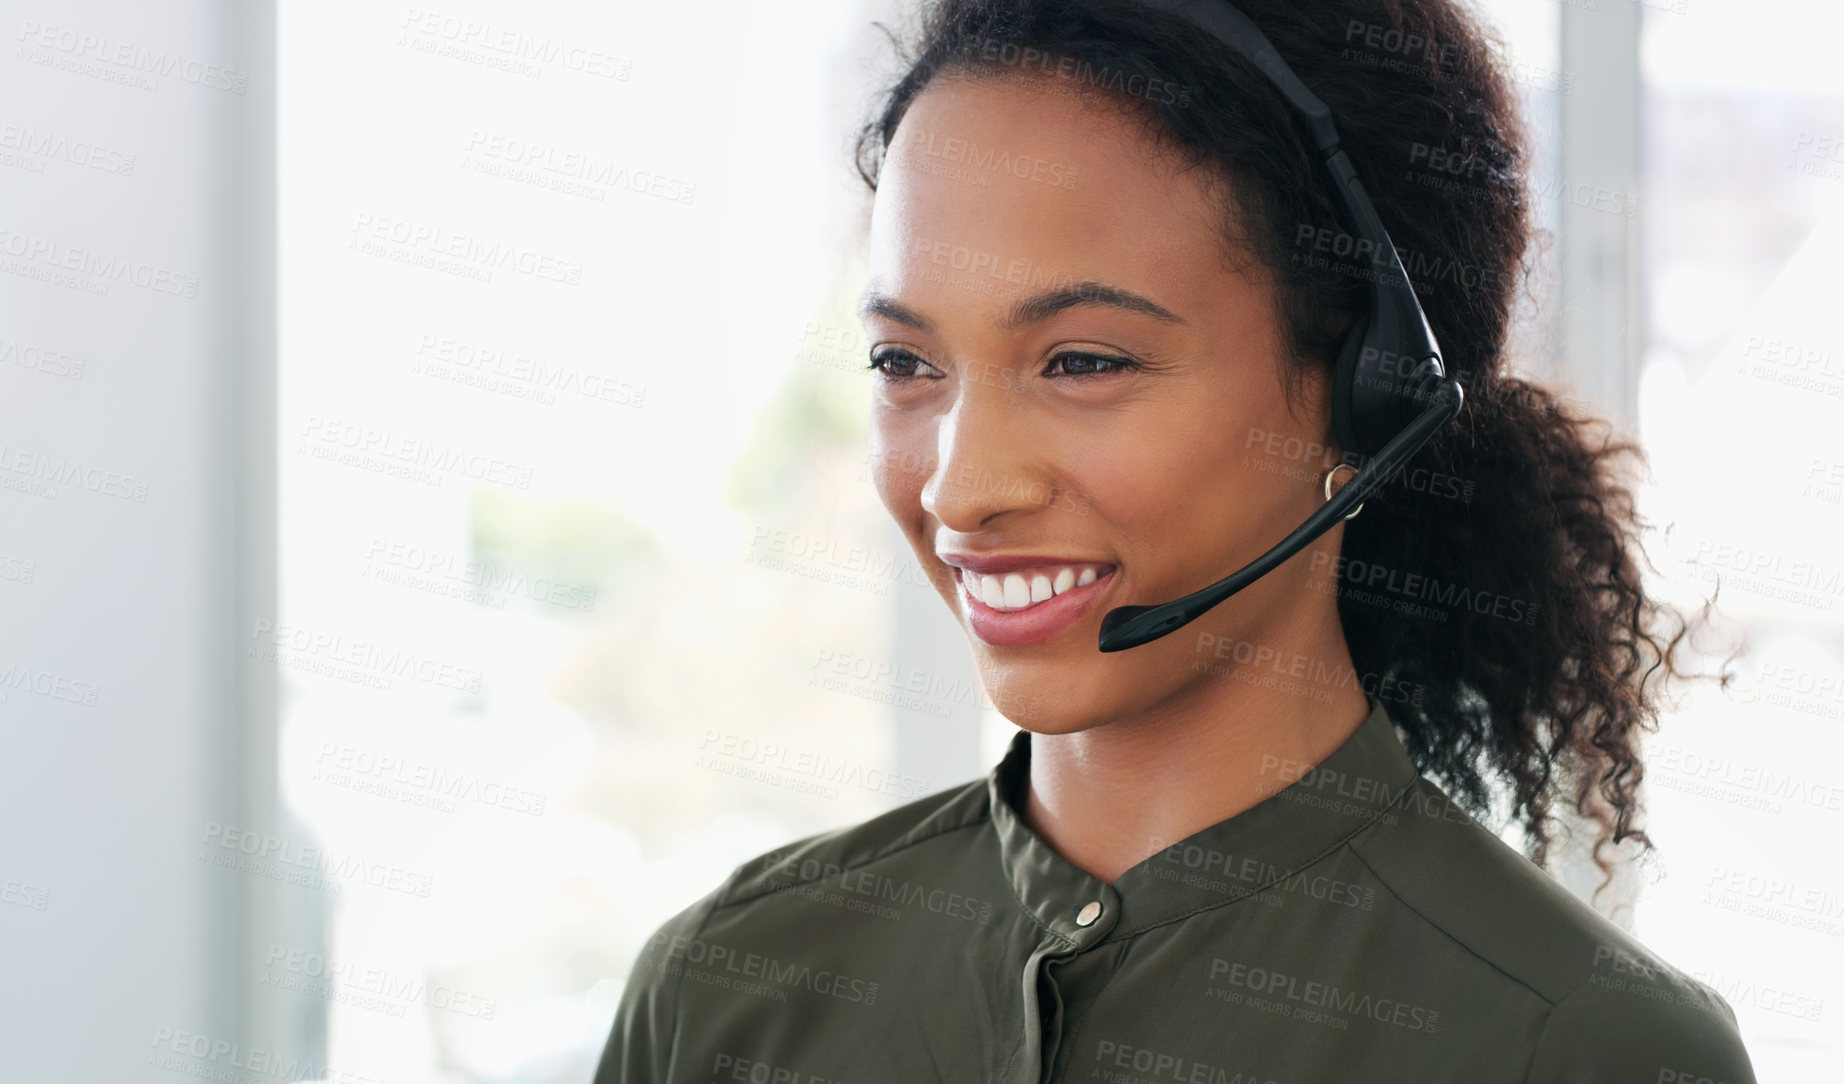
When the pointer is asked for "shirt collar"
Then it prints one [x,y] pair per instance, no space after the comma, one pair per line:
[1253,851]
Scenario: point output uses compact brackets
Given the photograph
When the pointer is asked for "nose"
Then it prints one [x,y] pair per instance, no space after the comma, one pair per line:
[987,461]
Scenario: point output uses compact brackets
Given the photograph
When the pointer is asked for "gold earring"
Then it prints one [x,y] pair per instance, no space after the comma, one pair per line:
[1328,486]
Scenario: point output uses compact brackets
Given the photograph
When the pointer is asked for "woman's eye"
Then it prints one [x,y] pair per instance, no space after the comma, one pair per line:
[895,364]
[1079,364]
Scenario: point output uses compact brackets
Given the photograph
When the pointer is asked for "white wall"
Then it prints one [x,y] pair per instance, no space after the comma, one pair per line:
[134,504]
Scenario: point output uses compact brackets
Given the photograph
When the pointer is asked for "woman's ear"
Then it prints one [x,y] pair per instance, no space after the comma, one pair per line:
[1309,400]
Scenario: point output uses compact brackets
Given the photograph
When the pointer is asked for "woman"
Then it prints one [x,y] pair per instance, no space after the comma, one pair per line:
[1107,284]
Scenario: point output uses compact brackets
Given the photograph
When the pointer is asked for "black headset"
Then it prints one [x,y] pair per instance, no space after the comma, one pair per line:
[1389,390]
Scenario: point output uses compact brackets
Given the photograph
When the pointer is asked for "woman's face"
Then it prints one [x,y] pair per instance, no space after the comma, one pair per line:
[1073,373]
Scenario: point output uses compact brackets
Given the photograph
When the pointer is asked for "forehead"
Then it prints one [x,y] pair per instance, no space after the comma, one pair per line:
[1021,185]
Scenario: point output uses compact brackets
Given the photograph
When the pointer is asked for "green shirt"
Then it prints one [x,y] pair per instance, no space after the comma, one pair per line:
[1354,926]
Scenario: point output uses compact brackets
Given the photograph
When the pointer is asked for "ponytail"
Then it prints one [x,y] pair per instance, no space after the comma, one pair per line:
[1534,649]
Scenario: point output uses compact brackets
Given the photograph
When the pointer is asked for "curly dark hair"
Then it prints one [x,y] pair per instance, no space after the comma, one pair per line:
[1552,704]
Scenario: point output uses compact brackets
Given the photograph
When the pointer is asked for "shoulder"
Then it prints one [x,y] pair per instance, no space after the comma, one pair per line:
[646,1019]
[1659,1029]
[824,854]
[1617,1011]
[640,1042]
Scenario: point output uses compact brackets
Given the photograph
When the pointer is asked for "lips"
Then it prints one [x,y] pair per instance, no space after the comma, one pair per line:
[1037,623]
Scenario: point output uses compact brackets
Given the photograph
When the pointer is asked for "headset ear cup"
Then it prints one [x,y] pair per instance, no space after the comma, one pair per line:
[1344,377]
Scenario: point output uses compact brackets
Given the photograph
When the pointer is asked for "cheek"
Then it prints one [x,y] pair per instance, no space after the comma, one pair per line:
[900,492]
[1150,496]
[899,463]
[1185,486]
[1155,469]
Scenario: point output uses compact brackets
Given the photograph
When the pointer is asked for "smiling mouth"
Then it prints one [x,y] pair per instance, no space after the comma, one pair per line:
[1025,588]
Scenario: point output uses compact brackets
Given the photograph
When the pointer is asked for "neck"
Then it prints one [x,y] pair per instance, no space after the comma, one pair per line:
[1111,796]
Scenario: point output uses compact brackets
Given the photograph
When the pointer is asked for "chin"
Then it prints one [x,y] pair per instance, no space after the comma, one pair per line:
[1044,706]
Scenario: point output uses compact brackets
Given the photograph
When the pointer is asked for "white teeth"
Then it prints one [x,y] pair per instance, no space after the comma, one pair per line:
[1012,591]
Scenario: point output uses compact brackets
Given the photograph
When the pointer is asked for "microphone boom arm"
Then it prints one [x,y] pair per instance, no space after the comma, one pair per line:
[1131,626]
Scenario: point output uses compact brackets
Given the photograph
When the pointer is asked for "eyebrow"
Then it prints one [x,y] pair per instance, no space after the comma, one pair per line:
[1031,310]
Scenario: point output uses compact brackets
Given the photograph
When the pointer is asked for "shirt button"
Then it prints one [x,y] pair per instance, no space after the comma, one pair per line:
[1089,913]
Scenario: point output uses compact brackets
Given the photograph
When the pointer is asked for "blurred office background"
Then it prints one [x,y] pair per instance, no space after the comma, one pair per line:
[436,544]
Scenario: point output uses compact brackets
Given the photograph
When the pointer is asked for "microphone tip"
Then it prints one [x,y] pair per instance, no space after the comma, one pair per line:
[1118,631]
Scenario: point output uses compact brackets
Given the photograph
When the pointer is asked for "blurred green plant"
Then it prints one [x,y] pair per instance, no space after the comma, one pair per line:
[579,540]
[818,411]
